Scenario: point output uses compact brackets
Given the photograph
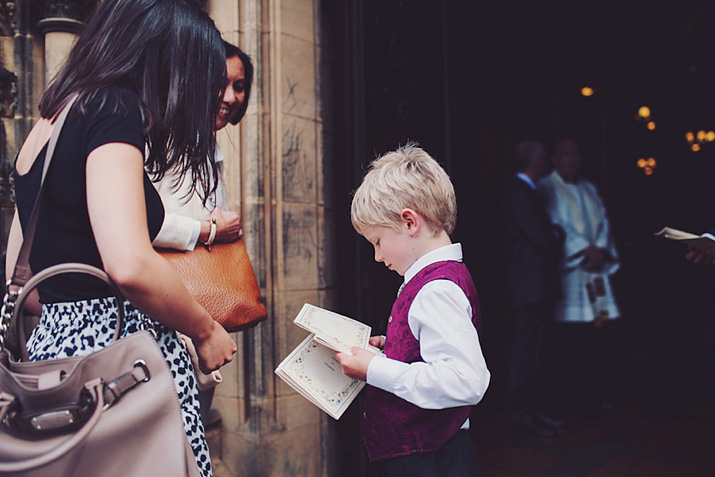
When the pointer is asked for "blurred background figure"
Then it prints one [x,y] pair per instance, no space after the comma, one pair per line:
[533,245]
[586,333]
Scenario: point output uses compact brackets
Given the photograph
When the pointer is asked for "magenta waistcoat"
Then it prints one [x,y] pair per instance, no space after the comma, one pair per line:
[393,427]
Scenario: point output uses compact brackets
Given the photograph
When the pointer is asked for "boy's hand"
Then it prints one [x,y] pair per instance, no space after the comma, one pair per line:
[355,365]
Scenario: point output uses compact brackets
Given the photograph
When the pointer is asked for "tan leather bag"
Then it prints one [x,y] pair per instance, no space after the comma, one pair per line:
[221,279]
[114,412]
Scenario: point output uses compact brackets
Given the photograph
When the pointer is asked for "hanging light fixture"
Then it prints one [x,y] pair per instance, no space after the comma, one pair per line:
[647,165]
[698,139]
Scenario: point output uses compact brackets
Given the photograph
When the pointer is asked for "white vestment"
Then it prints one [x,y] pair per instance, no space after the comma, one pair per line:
[578,208]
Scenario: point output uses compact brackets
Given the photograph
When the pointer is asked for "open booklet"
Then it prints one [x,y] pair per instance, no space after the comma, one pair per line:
[312,368]
[704,241]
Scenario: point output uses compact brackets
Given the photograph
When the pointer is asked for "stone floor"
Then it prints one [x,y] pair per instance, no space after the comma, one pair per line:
[658,431]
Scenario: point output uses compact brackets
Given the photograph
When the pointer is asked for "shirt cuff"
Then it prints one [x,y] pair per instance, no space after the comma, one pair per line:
[381,372]
[178,232]
[194,239]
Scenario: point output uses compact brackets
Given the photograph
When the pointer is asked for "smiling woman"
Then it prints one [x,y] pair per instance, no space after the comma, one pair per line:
[191,218]
[234,94]
[239,80]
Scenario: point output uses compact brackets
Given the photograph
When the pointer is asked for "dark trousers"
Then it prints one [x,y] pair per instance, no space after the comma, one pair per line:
[589,364]
[525,392]
[454,459]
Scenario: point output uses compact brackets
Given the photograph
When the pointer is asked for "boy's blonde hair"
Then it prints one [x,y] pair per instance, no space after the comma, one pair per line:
[405,178]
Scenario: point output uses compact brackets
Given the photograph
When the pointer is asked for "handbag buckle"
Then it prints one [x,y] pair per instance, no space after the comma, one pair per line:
[140,363]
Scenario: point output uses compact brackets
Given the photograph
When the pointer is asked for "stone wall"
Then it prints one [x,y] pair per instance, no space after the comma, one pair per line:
[277,173]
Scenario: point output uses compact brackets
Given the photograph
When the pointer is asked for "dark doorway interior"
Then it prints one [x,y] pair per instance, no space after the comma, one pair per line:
[467,81]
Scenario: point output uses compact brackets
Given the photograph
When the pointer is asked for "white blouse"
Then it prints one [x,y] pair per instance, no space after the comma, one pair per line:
[184,215]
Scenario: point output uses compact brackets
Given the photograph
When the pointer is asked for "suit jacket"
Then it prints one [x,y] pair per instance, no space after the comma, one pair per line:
[533,245]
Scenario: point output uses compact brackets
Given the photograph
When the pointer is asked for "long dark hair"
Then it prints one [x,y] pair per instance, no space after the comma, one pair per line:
[233,51]
[170,53]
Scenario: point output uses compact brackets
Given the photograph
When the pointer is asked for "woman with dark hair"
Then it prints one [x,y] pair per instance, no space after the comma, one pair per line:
[144,72]
[189,219]
[242,83]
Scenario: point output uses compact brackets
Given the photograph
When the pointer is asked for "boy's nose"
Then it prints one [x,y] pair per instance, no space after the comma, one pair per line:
[378,256]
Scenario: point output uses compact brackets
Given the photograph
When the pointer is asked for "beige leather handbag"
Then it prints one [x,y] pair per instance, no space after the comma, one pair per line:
[112,412]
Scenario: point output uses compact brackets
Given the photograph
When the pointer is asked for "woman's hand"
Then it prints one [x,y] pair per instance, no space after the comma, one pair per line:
[215,350]
[228,226]
[377,341]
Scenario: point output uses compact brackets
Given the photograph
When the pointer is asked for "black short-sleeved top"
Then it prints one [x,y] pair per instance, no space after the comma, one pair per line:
[64,233]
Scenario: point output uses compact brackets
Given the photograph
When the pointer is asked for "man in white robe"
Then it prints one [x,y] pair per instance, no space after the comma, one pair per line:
[587,338]
[590,255]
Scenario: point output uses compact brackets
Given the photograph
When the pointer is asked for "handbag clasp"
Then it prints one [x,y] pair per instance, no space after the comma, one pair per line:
[53,420]
[67,417]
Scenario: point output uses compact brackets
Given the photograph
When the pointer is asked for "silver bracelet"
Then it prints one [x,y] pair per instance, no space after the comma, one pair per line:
[212,233]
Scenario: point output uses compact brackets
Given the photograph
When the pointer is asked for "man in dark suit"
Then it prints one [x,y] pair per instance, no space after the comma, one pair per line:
[533,245]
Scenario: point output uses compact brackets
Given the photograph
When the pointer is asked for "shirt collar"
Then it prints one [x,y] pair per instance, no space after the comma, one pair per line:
[573,182]
[526,179]
[448,252]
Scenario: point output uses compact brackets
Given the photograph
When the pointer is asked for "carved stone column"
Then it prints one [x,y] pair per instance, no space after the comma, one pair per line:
[60,21]
[8,104]
[24,67]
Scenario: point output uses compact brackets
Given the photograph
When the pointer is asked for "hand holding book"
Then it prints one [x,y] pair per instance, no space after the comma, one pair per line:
[701,248]
[313,369]
[355,363]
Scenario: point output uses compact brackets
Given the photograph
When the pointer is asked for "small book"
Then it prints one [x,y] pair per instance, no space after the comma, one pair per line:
[333,330]
[705,241]
[312,368]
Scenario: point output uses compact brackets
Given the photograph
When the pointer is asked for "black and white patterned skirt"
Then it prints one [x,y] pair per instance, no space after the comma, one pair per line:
[81,327]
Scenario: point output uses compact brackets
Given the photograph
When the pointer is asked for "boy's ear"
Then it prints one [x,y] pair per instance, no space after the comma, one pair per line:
[412,220]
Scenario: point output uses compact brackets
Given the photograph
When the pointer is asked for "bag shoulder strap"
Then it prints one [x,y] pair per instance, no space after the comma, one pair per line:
[22,267]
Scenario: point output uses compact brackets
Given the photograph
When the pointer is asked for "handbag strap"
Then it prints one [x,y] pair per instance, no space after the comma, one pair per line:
[52,271]
[22,270]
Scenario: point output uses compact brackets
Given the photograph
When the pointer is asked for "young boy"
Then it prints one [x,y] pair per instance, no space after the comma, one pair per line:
[420,395]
